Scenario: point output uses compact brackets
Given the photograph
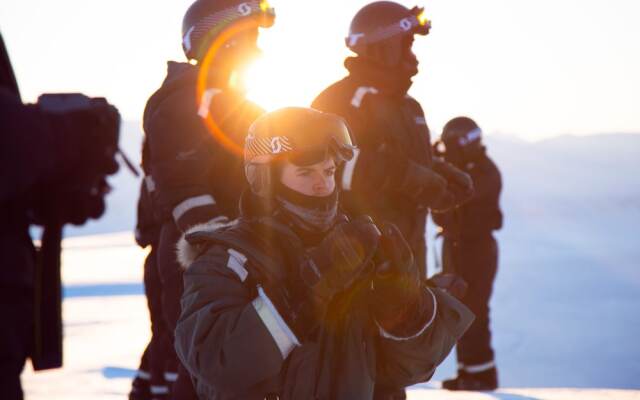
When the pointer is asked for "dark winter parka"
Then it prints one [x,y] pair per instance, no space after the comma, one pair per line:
[235,344]
[196,177]
[390,130]
[481,215]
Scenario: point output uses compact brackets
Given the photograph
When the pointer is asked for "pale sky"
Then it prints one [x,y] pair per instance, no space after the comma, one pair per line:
[533,69]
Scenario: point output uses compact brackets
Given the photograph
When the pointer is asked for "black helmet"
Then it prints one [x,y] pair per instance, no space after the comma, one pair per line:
[380,29]
[303,135]
[206,19]
[462,139]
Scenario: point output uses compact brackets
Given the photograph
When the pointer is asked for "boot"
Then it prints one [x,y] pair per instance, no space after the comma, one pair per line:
[479,381]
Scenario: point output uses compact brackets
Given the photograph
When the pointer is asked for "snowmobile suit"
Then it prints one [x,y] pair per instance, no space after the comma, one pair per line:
[197,179]
[389,128]
[471,251]
[234,341]
[158,361]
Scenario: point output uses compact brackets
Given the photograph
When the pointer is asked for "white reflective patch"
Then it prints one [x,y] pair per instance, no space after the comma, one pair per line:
[388,335]
[150,183]
[170,376]
[279,330]
[205,101]
[236,264]
[420,121]
[353,39]
[159,389]
[474,135]
[474,369]
[190,204]
[186,41]
[144,375]
[350,166]
[358,96]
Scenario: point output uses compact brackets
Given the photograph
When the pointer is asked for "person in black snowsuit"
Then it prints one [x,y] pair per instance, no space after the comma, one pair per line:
[195,125]
[295,300]
[158,364]
[393,176]
[471,251]
[53,163]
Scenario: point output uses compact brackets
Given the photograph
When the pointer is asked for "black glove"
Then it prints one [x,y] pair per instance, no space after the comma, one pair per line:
[340,258]
[424,185]
[459,182]
[399,299]
[318,274]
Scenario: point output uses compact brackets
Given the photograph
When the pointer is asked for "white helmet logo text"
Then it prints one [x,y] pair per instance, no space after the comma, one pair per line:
[276,145]
[244,9]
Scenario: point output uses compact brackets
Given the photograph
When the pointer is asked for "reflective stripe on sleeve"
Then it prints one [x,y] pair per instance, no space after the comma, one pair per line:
[236,264]
[170,376]
[205,101]
[279,330]
[388,335]
[150,183]
[191,203]
[159,389]
[474,369]
[350,166]
[358,96]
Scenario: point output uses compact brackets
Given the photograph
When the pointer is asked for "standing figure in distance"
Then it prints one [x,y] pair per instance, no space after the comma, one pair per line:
[195,126]
[471,252]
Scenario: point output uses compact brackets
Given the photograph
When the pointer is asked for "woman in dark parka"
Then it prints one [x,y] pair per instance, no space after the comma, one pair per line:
[295,301]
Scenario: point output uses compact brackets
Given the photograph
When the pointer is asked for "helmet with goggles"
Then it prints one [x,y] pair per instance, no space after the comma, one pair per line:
[302,136]
[380,30]
[206,19]
[462,140]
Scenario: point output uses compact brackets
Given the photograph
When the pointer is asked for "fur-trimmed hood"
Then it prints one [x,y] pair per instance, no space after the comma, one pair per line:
[187,251]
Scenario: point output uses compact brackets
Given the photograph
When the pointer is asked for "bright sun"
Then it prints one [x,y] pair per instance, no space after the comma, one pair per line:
[284,77]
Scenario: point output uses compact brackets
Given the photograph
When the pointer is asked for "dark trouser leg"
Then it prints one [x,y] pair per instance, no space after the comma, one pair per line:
[172,287]
[477,263]
[160,346]
[141,382]
[183,387]
[16,333]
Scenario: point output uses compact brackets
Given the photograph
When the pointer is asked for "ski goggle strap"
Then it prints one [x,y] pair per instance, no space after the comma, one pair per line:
[214,23]
[416,23]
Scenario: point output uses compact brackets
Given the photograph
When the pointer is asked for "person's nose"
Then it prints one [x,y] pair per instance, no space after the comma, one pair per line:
[321,185]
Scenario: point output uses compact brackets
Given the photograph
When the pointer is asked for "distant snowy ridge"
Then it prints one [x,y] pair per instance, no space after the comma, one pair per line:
[561,176]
